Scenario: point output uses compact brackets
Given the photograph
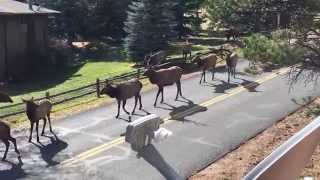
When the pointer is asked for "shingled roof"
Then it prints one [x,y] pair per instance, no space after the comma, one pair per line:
[11,7]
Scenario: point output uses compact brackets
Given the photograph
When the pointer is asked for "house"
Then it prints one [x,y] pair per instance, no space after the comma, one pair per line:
[23,33]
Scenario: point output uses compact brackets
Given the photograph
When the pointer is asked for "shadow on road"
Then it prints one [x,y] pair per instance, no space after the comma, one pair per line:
[49,151]
[251,86]
[154,158]
[16,171]
[224,86]
[179,113]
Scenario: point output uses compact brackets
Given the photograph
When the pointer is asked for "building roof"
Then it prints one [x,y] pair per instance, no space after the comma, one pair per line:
[11,7]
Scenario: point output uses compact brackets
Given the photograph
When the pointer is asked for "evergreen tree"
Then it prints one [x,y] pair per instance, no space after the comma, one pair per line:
[110,16]
[150,25]
[187,13]
[75,18]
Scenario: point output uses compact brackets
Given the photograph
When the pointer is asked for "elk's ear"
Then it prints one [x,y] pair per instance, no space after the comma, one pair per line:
[23,100]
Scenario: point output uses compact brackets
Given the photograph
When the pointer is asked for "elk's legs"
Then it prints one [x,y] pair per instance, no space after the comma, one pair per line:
[6,142]
[44,125]
[201,77]
[31,129]
[162,95]
[37,129]
[49,119]
[13,140]
[140,102]
[178,89]
[229,72]
[155,102]
[213,72]
[119,105]
[124,106]
[136,98]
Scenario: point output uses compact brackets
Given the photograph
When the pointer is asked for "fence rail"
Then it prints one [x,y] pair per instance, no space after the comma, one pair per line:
[62,97]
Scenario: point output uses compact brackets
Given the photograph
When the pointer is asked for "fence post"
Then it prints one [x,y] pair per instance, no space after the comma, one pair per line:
[47,95]
[98,87]
[138,75]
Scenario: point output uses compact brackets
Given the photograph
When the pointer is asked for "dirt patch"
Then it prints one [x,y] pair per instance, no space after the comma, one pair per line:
[238,163]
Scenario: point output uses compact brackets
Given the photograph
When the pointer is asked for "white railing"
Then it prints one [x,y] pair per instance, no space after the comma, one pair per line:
[288,161]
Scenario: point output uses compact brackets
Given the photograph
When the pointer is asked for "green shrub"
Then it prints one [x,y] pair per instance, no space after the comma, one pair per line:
[282,35]
[260,49]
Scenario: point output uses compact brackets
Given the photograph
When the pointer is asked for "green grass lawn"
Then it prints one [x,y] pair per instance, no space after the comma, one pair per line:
[67,78]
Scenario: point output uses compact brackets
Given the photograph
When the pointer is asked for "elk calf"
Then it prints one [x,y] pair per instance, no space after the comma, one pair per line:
[186,50]
[124,91]
[36,112]
[208,62]
[232,61]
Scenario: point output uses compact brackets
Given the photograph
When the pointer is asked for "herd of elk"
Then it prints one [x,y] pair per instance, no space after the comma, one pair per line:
[124,90]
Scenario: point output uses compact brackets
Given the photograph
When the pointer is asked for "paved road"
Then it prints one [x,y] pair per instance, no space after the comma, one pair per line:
[87,145]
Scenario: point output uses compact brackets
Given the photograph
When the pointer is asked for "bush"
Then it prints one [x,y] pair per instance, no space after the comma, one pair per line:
[282,35]
[260,49]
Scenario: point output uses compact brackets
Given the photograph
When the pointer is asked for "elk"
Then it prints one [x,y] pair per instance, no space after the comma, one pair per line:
[186,50]
[208,62]
[165,77]
[36,112]
[154,59]
[5,131]
[232,59]
[124,91]
[232,33]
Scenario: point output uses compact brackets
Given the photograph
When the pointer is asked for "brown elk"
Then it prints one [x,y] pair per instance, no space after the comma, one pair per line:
[186,50]
[208,62]
[5,131]
[165,77]
[232,59]
[36,112]
[234,33]
[155,59]
[124,91]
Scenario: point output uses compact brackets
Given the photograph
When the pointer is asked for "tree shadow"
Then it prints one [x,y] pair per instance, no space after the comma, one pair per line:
[224,86]
[251,86]
[42,81]
[16,171]
[302,101]
[155,159]
[49,151]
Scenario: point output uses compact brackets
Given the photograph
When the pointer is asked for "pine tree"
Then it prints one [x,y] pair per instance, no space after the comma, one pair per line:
[150,25]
